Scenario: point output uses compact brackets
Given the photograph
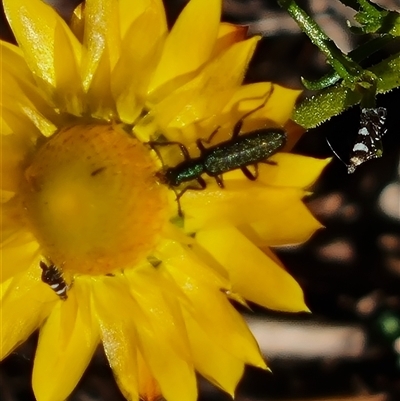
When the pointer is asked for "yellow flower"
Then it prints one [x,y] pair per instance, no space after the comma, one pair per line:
[83,209]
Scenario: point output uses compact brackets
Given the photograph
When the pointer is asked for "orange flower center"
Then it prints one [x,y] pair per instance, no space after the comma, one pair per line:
[93,201]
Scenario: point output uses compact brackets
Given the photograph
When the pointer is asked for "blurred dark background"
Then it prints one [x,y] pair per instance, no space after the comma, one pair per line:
[349,348]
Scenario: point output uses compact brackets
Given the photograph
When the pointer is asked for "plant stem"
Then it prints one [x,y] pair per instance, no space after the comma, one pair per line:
[343,65]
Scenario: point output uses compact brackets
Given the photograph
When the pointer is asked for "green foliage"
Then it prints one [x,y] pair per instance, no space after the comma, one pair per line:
[348,83]
[332,101]
[375,19]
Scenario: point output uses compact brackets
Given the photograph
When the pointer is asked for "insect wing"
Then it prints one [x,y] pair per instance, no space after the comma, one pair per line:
[368,143]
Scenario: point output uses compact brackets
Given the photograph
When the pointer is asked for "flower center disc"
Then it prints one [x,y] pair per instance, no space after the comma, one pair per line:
[93,201]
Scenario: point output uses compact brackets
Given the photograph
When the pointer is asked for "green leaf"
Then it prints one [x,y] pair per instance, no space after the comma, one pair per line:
[330,102]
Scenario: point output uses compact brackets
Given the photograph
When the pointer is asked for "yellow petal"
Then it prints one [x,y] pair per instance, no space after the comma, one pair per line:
[202,97]
[25,120]
[5,196]
[20,251]
[12,220]
[112,306]
[69,89]
[12,59]
[161,310]
[294,132]
[101,32]
[16,122]
[280,105]
[77,22]
[66,344]
[228,34]
[24,110]
[245,99]
[40,33]
[292,170]
[148,387]
[159,321]
[14,150]
[176,255]
[214,363]
[211,309]
[181,54]
[294,225]
[128,14]
[99,96]
[175,376]
[216,83]
[21,99]
[241,202]
[276,212]
[141,50]
[253,274]
[24,307]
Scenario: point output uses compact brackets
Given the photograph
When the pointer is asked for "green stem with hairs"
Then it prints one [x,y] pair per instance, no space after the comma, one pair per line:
[345,67]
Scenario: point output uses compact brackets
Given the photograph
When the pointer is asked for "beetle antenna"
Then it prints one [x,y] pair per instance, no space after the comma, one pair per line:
[269,94]
[335,153]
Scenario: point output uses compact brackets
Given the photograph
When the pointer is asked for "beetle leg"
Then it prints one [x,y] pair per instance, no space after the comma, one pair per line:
[200,146]
[249,174]
[238,127]
[220,181]
[270,162]
[200,141]
[203,185]
[178,200]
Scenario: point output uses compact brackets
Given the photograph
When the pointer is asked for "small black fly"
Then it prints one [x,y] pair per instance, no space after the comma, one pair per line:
[238,152]
[368,144]
[54,278]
